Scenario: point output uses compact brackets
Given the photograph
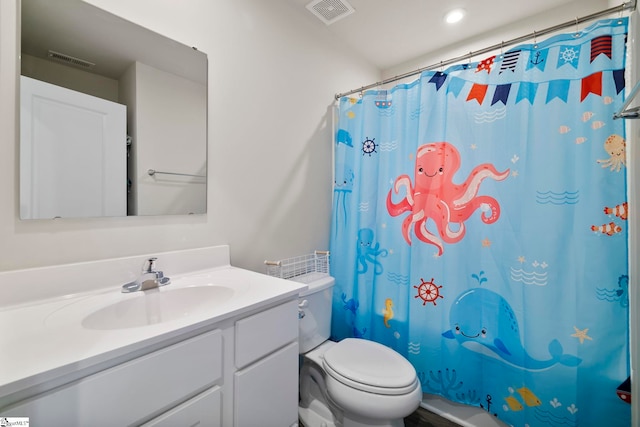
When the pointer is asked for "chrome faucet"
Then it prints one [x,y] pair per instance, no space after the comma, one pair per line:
[150,278]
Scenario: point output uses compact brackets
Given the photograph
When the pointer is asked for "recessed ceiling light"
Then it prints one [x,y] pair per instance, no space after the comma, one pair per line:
[454,16]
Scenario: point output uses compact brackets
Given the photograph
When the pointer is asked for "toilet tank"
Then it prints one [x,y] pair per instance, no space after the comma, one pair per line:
[315,313]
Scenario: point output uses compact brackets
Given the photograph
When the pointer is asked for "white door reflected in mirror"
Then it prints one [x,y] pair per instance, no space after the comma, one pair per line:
[72,153]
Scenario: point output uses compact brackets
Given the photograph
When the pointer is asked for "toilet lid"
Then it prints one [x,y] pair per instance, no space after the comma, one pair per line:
[369,366]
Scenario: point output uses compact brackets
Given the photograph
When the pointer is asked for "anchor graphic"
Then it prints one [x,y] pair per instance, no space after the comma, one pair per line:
[537,59]
[488,408]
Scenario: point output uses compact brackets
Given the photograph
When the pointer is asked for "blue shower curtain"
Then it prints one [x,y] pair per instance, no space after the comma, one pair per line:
[480,229]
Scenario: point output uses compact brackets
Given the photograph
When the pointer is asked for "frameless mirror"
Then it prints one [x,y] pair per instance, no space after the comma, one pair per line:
[113,117]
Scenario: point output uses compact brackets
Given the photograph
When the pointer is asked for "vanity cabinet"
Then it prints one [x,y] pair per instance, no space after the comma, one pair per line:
[240,372]
[267,347]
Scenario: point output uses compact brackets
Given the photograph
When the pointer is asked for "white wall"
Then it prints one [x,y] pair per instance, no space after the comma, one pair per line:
[559,15]
[69,77]
[273,71]
[170,123]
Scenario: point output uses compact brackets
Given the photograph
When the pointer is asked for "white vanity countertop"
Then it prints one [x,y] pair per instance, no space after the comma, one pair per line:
[45,340]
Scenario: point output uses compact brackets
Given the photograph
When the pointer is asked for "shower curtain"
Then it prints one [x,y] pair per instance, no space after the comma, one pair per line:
[480,229]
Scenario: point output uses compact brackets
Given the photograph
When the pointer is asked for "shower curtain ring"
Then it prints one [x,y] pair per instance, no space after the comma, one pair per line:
[535,40]
[577,33]
[621,10]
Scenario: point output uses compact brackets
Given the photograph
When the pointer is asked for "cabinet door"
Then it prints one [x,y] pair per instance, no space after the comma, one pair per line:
[202,411]
[266,393]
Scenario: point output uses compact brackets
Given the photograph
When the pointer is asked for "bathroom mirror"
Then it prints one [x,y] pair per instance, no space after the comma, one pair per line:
[113,116]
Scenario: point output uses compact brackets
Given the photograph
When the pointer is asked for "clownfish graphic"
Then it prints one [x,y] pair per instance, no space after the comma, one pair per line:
[621,210]
[608,229]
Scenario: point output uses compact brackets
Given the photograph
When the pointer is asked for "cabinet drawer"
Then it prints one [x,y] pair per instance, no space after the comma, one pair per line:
[262,333]
[138,388]
[203,411]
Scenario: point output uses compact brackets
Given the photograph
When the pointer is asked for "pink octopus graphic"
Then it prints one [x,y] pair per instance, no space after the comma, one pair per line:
[435,196]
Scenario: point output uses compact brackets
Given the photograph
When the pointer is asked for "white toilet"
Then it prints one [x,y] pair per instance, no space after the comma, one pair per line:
[351,383]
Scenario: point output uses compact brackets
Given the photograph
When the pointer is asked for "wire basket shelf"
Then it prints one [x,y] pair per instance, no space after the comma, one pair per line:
[304,268]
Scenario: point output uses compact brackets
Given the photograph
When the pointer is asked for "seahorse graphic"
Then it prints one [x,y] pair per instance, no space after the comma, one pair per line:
[387,312]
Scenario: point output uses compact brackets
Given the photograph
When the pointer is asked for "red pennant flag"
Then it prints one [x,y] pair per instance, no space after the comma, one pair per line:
[591,84]
[485,64]
[477,92]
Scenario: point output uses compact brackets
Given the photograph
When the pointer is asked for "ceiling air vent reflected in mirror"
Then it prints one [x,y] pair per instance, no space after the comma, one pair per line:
[67,59]
[330,11]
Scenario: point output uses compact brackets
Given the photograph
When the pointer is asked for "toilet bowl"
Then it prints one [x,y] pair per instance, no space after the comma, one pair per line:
[351,383]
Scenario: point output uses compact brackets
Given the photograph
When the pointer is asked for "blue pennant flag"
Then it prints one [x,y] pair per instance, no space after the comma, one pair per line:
[558,89]
[618,78]
[569,55]
[438,78]
[537,59]
[501,94]
[455,86]
[527,90]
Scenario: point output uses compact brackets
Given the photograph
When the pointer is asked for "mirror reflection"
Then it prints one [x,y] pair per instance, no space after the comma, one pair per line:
[113,117]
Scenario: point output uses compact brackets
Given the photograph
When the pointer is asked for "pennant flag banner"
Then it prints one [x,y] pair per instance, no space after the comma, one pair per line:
[496,74]
[556,89]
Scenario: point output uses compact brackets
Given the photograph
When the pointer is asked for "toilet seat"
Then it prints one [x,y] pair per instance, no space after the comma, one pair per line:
[368,366]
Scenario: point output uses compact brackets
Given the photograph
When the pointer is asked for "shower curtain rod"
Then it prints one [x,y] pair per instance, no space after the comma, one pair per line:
[630,5]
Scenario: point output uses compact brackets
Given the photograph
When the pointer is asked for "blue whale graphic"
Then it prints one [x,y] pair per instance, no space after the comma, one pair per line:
[484,322]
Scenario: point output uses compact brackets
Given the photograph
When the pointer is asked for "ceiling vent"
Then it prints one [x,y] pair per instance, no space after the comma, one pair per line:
[330,11]
[61,57]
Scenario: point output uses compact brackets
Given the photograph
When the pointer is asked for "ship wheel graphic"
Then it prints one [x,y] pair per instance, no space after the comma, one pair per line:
[369,146]
[428,291]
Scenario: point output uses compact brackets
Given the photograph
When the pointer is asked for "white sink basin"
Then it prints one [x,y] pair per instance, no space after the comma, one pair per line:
[138,309]
[156,306]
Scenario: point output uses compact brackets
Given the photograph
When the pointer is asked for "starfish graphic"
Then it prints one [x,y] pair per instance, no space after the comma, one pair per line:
[581,335]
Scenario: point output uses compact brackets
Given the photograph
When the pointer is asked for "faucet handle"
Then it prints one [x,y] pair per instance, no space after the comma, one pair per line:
[149,265]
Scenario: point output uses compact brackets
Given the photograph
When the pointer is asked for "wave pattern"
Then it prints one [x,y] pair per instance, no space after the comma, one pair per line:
[492,116]
[416,113]
[550,197]
[553,420]
[414,348]
[389,146]
[528,278]
[387,112]
[398,279]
